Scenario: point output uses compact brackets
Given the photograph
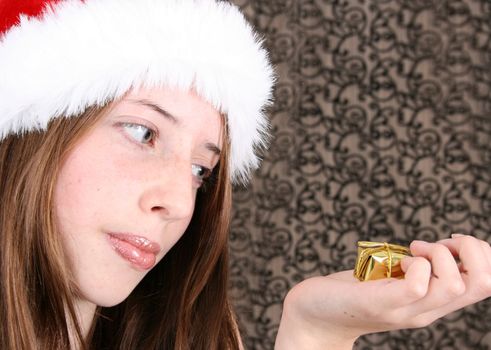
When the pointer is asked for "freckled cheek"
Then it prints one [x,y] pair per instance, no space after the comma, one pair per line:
[85,184]
[133,169]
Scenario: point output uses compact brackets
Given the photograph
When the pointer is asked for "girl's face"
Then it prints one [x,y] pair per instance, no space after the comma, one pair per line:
[126,192]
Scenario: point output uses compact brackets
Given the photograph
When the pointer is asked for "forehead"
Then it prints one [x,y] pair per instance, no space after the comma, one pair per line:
[172,98]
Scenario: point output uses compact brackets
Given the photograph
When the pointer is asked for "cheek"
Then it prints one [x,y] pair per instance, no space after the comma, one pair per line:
[81,189]
[93,185]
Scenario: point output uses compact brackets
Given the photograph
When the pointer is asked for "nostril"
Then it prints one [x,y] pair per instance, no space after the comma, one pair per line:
[157,209]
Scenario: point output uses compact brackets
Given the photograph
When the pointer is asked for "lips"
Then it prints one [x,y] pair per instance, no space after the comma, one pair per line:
[139,251]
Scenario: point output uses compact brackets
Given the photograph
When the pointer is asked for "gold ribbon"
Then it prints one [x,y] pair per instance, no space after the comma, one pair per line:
[379,260]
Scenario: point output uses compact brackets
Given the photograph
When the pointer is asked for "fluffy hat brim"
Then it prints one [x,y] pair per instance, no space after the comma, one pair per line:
[79,54]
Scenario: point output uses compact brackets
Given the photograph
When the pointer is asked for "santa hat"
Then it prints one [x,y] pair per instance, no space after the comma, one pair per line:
[59,57]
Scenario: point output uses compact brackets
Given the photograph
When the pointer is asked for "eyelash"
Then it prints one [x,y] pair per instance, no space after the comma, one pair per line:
[205,180]
[154,133]
[209,181]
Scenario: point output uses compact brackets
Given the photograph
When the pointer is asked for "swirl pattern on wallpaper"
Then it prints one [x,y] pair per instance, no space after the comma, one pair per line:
[381,131]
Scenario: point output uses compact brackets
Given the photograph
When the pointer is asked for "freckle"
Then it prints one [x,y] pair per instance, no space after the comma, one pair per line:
[352,316]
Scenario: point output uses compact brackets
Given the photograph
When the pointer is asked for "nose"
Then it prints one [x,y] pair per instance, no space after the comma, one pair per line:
[170,193]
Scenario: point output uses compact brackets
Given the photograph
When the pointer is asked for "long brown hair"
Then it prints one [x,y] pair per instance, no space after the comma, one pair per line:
[181,303]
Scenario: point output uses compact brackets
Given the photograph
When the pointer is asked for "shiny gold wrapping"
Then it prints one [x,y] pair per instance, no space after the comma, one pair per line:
[379,260]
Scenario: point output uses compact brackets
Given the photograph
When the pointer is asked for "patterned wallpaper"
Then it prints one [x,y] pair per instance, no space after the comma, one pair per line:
[381,131]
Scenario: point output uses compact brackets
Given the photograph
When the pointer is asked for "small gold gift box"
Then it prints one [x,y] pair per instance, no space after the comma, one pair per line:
[379,260]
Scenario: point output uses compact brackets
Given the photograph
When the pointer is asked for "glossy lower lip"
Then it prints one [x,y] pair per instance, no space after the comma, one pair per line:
[139,251]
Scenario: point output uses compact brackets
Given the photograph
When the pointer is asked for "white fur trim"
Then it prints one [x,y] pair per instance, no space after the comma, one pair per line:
[88,53]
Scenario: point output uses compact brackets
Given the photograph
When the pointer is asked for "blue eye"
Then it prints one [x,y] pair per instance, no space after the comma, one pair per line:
[200,172]
[140,133]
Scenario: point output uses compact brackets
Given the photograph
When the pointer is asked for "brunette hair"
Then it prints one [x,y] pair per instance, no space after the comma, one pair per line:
[181,303]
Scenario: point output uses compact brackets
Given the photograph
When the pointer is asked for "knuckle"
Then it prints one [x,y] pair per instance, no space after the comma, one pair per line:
[417,291]
[456,289]
[483,285]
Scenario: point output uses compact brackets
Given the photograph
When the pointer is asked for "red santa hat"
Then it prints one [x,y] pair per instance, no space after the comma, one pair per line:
[59,57]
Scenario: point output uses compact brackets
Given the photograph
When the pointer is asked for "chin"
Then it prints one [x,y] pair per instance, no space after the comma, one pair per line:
[108,294]
[110,300]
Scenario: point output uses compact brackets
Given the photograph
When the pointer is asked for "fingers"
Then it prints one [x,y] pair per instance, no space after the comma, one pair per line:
[417,277]
[475,257]
[473,253]
[485,245]
[433,285]
[445,283]
[392,294]
[475,273]
[442,261]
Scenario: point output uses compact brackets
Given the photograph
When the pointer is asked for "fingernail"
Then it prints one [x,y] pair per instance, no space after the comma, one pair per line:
[455,235]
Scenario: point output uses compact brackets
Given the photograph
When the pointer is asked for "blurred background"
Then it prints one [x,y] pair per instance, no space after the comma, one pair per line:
[381,131]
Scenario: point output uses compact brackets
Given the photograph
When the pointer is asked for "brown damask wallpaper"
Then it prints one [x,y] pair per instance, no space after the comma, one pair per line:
[381,131]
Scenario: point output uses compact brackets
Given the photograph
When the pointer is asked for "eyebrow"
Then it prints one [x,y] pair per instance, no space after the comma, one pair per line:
[155,107]
[214,148]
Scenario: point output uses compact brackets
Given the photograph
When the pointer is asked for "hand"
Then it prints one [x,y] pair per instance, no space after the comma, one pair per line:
[332,311]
